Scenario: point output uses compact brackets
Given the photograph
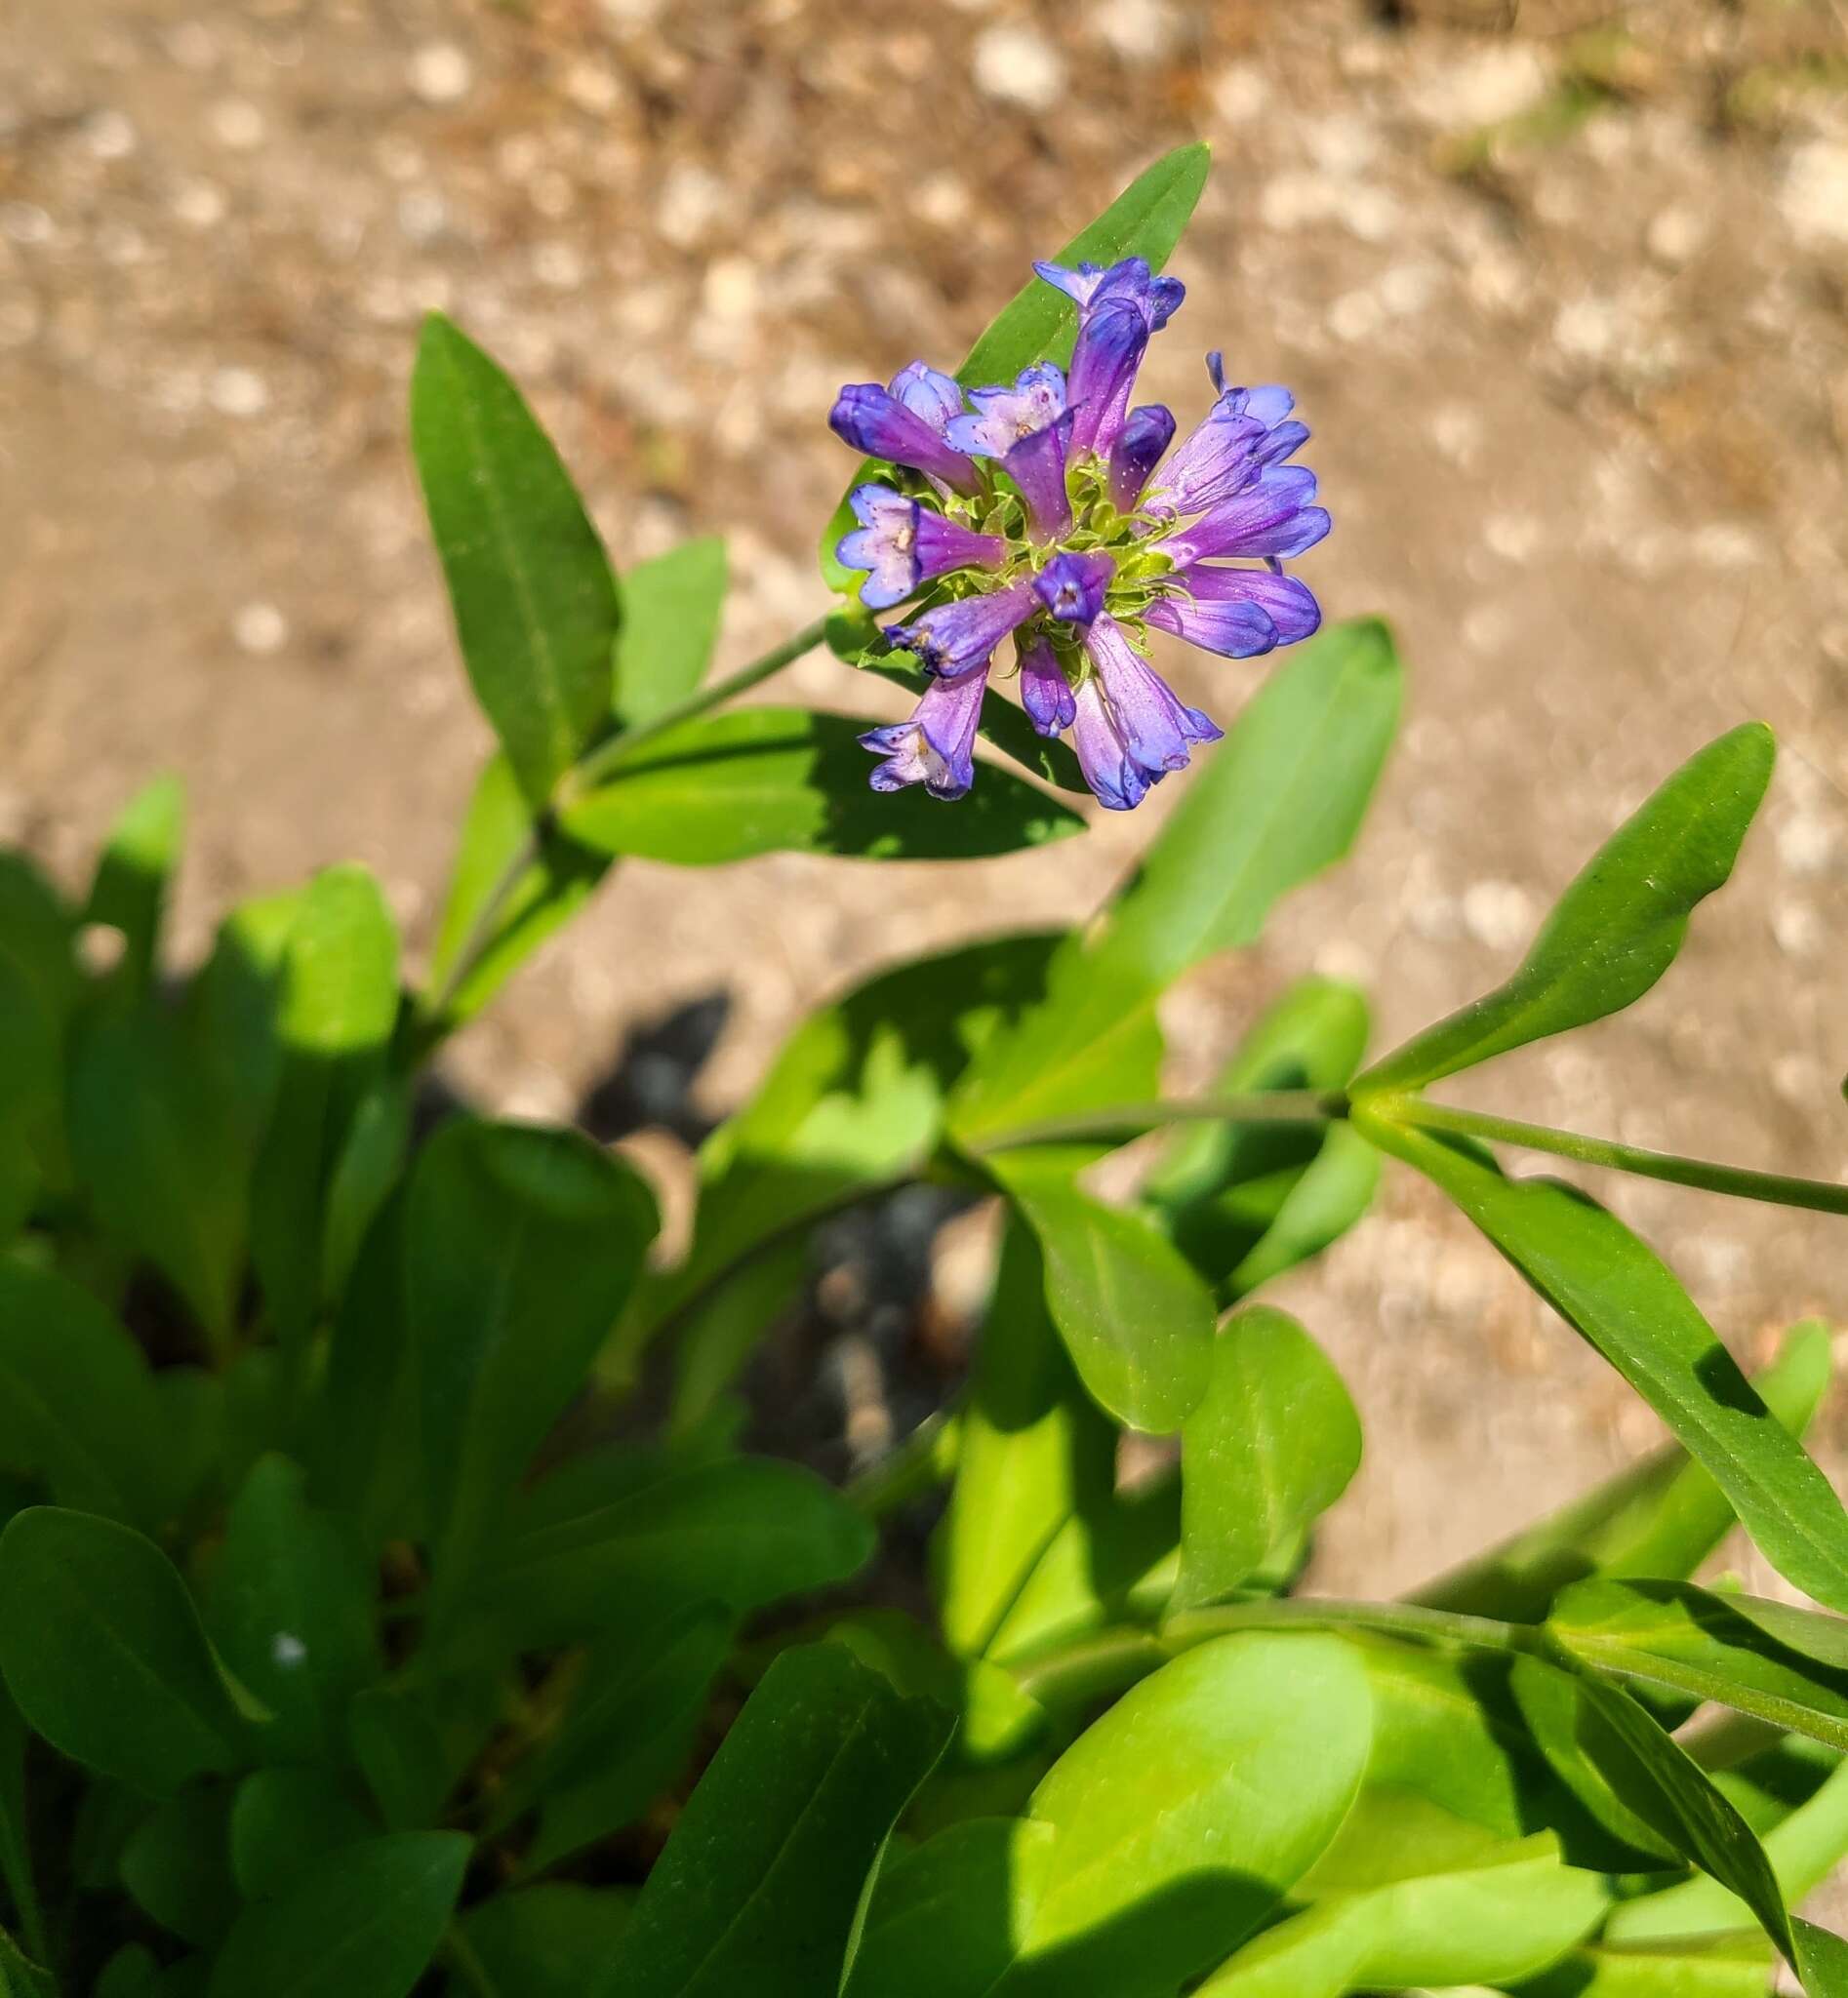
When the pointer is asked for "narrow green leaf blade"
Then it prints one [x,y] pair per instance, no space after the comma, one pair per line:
[671,608]
[362,1922]
[1279,801]
[748,781]
[521,1247]
[1136,1320]
[1618,928]
[282,1820]
[101,1650]
[1612,1290]
[759,1885]
[1040,323]
[551,1940]
[132,875]
[1272,1446]
[290,1612]
[534,596]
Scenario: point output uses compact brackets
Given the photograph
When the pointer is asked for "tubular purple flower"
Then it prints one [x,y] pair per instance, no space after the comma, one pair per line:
[928,393]
[1071,586]
[1045,692]
[876,422]
[1038,466]
[1271,517]
[1112,341]
[1246,430]
[903,545]
[1238,613]
[1150,728]
[1146,434]
[955,639]
[1004,416]
[1156,298]
[935,746]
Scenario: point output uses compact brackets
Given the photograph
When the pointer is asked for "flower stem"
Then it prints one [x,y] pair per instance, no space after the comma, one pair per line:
[1131,1120]
[584,776]
[911,1469]
[1821,1196]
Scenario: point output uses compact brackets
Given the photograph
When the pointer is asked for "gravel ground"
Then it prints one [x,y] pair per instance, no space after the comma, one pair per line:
[1563,289]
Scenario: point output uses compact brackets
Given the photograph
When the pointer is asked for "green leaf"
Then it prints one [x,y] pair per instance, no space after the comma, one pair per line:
[178,1864]
[1787,1666]
[1627,1305]
[339,1003]
[1134,1318]
[744,1531]
[1035,1449]
[232,1012]
[102,1651]
[1663,1516]
[15,1846]
[367,1169]
[520,1247]
[545,1942]
[1498,1913]
[130,891]
[360,1922]
[1803,1849]
[1244,1202]
[944,1918]
[628,1732]
[759,1884]
[1280,800]
[748,781]
[1040,323]
[1183,1816]
[1702,1967]
[1660,1782]
[77,1403]
[290,1612]
[38,989]
[283,1818]
[155,1140]
[1617,928]
[995,1720]
[547,895]
[1270,1447]
[19,1976]
[414,1739]
[535,600]
[670,623]
[855,1095]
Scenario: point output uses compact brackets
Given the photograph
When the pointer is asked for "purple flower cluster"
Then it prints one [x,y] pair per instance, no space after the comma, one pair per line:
[1053,513]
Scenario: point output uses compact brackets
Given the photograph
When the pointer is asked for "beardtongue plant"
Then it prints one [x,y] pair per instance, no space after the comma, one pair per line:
[362,1631]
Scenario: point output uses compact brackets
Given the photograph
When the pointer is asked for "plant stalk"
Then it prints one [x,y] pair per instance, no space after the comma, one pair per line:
[1131,1120]
[1821,1196]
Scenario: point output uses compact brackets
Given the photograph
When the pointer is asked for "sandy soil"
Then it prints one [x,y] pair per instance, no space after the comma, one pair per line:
[1562,288]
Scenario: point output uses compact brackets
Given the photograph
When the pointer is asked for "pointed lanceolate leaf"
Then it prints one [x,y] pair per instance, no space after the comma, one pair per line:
[1617,928]
[102,1652]
[292,1612]
[551,1940]
[1136,1320]
[1270,1447]
[1628,1305]
[1280,800]
[521,1245]
[362,1922]
[534,596]
[134,873]
[1040,323]
[751,781]
[671,608]
[759,1884]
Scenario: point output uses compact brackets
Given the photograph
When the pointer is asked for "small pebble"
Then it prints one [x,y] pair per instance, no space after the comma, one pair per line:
[1016,65]
[1674,235]
[238,392]
[440,74]
[237,124]
[109,135]
[200,205]
[260,629]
